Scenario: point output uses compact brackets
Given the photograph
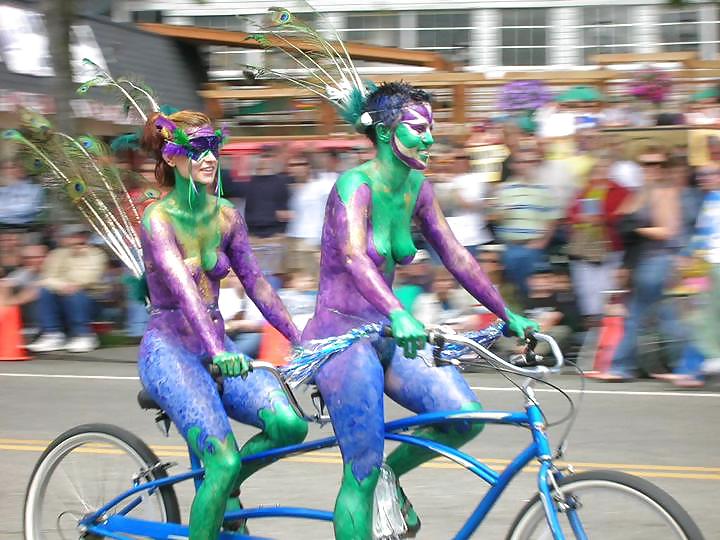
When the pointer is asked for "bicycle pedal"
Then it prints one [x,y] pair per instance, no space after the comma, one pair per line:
[148,473]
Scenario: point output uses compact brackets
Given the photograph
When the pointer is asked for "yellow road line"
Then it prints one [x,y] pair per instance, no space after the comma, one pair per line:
[334,458]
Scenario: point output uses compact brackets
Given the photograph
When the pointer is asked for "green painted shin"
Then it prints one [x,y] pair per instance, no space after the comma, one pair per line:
[222,464]
[406,457]
[353,518]
[282,427]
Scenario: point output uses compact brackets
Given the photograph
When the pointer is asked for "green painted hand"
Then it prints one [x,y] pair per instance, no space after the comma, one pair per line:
[232,364]
[408,332]
[517,324]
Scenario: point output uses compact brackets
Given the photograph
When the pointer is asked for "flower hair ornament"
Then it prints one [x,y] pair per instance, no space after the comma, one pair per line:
[194,143]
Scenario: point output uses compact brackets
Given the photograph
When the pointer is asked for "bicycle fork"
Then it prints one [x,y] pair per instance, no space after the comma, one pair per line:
[554,500]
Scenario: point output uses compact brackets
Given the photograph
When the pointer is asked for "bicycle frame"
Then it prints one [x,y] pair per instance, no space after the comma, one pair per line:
[119,524]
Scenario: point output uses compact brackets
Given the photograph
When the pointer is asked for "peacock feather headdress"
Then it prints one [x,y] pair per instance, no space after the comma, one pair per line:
[328,70]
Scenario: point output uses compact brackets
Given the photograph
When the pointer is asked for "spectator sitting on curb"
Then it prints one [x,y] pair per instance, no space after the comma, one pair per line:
[446,304]
[543,307]
[299,296]
[10,248]
[243,320]
[69,276]
[20,287]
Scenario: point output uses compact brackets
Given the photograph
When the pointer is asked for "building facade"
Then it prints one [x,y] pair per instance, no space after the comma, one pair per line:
[483,36]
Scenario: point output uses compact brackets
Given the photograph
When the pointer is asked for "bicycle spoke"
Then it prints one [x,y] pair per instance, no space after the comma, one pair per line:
[70,486]
[87,508]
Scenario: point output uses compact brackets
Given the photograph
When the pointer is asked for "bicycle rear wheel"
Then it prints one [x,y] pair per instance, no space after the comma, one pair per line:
[609,504]
[83,469]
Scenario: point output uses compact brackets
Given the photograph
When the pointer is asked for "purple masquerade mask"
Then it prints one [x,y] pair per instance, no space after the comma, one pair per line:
[193,143]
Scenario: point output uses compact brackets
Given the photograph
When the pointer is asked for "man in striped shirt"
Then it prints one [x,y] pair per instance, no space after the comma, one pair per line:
[526,213]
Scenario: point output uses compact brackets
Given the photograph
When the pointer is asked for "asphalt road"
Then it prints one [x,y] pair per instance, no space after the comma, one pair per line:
[670,437]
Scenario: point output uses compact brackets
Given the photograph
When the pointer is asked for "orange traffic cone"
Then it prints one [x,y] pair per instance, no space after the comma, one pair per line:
[274,348]
[11,341]
[611,333]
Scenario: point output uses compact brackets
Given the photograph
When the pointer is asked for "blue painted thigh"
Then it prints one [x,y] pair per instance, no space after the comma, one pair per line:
[420,388]
[182,386]
[352,386]
[244,399]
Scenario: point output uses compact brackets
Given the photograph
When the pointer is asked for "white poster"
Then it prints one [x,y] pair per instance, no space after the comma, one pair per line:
[25,49]
[24,42]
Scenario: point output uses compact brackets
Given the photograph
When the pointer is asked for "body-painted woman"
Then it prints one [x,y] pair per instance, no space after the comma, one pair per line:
[191,239]
[367,232]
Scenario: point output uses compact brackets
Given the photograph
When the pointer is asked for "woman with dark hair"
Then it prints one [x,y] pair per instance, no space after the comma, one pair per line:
[650,224]
[367,232]
[191,240]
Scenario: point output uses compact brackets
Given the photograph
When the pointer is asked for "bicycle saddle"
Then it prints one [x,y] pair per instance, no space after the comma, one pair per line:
[146,401]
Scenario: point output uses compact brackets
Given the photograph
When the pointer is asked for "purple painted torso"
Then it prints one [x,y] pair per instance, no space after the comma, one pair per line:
[354,289]
[340,304]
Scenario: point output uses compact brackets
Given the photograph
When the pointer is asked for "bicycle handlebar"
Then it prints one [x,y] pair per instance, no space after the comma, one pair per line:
[527,363]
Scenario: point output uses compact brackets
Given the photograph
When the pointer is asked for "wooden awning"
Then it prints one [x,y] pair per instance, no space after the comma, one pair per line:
[681,57]
[358,51]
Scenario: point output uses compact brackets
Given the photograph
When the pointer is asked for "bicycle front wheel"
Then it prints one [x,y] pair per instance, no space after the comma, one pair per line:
[608,504]
[82,470]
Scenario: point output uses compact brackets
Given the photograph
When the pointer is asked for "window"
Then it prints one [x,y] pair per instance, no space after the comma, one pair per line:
[148,16]
[679,30]
[524,36]
[222,58]
[447,32]
[374,29]
[221,22]
[606,29]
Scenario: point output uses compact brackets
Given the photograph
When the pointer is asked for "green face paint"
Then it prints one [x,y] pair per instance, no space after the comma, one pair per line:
[412,137]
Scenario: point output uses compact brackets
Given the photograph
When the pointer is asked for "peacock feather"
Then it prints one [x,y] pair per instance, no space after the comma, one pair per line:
[81,170]
[328,70]
[128,141]
[133,93]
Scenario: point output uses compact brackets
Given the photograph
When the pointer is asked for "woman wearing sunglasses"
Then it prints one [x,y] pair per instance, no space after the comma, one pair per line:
[191,239]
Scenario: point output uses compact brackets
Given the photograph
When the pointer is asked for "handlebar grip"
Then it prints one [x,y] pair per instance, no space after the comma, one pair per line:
[531,359]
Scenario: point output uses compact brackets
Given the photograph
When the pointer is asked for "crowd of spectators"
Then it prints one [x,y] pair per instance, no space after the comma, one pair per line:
[571,230]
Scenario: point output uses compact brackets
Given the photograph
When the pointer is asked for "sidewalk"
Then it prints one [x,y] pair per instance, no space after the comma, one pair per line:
[126,355]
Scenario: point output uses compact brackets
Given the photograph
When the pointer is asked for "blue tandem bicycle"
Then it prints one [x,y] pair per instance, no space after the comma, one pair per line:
[602,504]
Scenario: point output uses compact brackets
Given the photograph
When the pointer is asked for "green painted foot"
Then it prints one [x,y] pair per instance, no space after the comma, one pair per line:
[353,518]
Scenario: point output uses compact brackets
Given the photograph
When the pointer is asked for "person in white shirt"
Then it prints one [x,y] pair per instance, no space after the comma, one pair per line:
[624,171]
[469,188]
[309,194]
[243,321]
